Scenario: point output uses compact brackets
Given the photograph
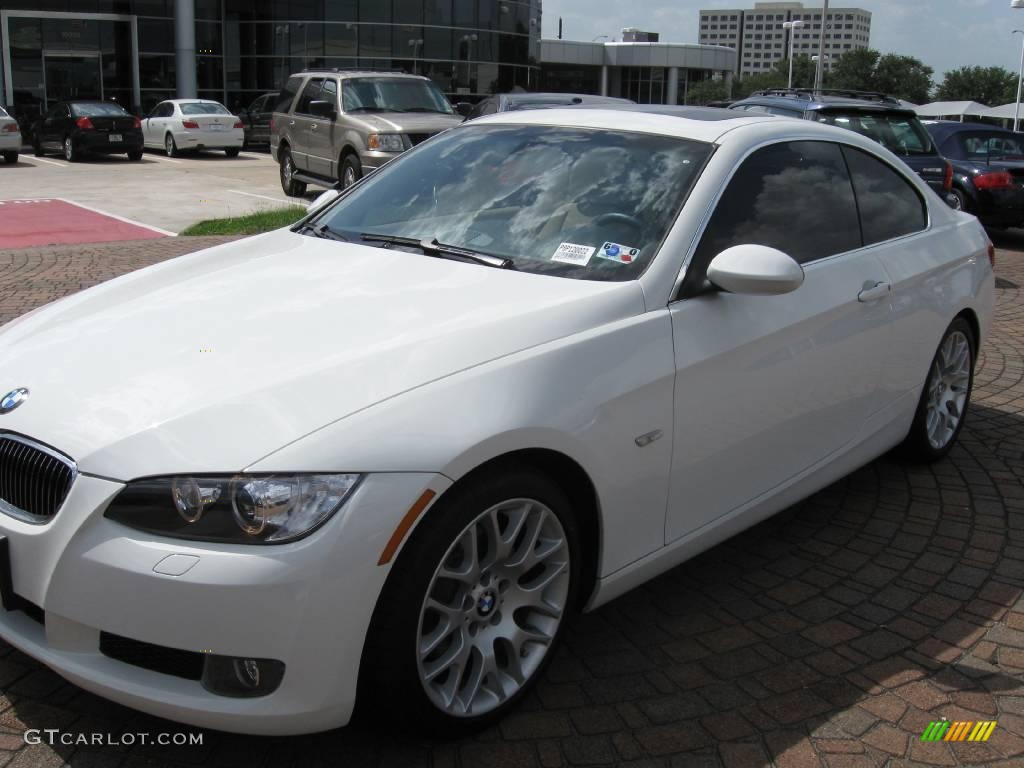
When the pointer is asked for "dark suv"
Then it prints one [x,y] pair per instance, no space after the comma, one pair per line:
[875,115]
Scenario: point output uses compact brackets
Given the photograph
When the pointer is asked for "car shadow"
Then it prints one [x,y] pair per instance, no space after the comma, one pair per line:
[846,623]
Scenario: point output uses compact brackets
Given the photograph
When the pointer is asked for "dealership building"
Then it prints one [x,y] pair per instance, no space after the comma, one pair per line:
[140,52]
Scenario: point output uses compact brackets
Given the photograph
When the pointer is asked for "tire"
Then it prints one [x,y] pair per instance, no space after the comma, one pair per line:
[135,156]
[232,152]
[351,171]
[291,187]
[960,201]
[946,395]
[71,153]
[170,146]
[393,676]
[10,158]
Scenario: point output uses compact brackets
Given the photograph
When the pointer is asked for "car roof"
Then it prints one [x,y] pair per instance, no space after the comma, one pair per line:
[807,100]
[193,101]
[712,114]
[360,73]
[563,98]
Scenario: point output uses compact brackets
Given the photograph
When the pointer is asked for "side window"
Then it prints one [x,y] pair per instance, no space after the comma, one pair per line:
[795,197]
[889,205]
[287,95]
[783,112]
[310,93]
[329,92]
[167,110]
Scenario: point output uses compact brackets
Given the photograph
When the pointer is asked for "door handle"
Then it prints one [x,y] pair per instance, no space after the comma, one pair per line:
[292,122]
[313,127]
[875,292]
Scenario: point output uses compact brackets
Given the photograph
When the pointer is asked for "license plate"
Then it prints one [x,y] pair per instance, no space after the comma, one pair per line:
[216,127]
[115,137]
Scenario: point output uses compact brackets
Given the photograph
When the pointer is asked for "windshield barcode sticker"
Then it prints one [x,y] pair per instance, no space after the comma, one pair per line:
[570,253]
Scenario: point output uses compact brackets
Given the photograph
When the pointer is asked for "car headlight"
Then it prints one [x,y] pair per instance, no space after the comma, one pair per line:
[239,509]
[386,142]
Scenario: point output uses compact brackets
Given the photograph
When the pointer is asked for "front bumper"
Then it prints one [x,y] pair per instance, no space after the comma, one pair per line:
[233,138]
[307,604]
[371,160]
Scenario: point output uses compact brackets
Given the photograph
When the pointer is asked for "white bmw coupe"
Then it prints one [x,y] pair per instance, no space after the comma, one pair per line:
[379,458]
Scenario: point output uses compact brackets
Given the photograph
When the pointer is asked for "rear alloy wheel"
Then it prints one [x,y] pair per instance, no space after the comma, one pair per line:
[958,201]
[475,605]
[170,147]
[946,396]
[70,153]
[291,186]
[10,158]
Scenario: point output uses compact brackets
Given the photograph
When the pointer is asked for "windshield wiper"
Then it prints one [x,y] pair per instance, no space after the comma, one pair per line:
[367,109]
[425,109]
[434,248]
[322,231]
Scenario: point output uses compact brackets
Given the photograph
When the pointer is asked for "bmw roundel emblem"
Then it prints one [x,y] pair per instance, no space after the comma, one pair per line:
[13,399]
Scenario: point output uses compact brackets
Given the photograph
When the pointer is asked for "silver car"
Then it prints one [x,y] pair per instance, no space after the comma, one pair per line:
[188,125]
[331,127]
[10,137]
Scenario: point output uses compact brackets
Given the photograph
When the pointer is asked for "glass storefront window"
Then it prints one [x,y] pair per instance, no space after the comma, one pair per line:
[156,35]
[341,10]
[341,40]
[210,72]
[374,10]
[208,38]
[464,13]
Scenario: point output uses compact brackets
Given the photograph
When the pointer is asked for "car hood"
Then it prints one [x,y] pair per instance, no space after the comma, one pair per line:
[405,122]
[212,361]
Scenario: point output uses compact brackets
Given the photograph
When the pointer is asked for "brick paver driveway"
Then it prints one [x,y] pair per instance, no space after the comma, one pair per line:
[830,635]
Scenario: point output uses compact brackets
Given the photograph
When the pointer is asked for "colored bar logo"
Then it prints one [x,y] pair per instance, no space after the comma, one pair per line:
[943,730]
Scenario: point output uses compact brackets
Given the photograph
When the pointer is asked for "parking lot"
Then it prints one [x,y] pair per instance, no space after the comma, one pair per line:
[831,635]
[166,193]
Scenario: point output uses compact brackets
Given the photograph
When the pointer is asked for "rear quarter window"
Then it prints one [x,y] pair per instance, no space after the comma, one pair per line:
[890,206]
[287,94]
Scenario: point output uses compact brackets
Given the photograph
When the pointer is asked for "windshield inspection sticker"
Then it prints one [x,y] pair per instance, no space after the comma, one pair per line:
[570,253]
[623,254]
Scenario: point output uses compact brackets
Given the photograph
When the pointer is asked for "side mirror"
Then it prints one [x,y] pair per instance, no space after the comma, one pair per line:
[756,270]
[464,108]
[323,109]
[323,199]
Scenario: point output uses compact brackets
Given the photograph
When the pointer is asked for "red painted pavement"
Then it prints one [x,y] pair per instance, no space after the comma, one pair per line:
[27,223]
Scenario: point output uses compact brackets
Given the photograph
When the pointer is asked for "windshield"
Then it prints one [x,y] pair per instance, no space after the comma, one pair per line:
[98,110]
[379,94]
[203,108]
[900,134]
[579,203]
[983,145]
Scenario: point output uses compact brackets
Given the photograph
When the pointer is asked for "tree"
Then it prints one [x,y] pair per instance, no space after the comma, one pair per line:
[703,91]
[987,85]
[856,70]
[758,82]
[803,70]
[903,77]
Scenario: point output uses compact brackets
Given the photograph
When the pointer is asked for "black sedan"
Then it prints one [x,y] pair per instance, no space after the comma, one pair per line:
[988,170]
[78,128]
[256,119]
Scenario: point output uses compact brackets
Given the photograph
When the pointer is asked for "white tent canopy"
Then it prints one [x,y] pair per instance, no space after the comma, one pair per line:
[1006,111]
[954,109]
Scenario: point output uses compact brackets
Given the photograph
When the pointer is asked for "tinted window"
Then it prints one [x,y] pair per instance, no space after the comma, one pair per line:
[309,94]
[991,144]
[795,197]
[329,92]
[901,134]
[889,206]
[203,108]
[98,110]
[166,110]
[287,95]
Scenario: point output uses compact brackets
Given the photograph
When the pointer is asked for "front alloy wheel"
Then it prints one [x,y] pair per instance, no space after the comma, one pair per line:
[493,607]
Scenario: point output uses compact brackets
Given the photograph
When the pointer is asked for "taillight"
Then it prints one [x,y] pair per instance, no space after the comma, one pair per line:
[273,126]
[238,124]
[991,254]
[189,124]
[993,180]
[137,123]
[84,123]
[947,182]
[9,128]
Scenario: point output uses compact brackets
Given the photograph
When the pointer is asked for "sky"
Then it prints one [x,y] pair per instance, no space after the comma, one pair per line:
[944,34]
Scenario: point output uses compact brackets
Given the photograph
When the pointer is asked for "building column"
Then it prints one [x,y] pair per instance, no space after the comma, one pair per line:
[672,97]
[185,48]
[728,84]
[604,79]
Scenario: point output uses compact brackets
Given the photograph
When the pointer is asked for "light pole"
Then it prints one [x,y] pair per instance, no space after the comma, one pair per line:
[819,73]
[1020,74]
[468,40]
[415,44]
[791,25]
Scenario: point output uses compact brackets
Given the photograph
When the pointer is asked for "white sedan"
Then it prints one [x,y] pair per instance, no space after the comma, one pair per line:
[379,458]
[185,125]
[10,138]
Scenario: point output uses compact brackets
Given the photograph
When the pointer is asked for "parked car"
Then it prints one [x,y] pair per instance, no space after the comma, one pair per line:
[80,128]
[988,170]
[514,373]
[513,102]
[330,127]
[875,115]
[191,125]
[256,119]
[10,137]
